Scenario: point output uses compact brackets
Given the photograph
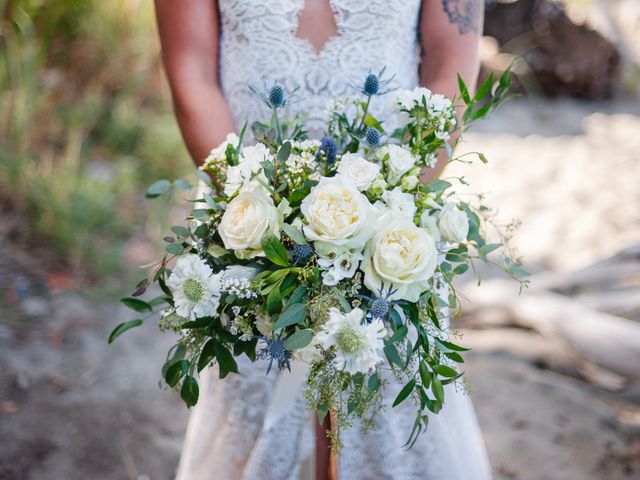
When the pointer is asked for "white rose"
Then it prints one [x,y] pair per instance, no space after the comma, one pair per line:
[453,223]
[337,213]
[249,217]
[250,164]
[402,257]
[399,161]
[399,202]
[409,183]
[358,171]
[430,224]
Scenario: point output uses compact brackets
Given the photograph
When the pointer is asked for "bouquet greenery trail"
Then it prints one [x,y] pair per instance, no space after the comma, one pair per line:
[329,253]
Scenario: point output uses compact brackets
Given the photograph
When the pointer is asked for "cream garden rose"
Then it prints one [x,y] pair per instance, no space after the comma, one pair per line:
[337,213]
[401,256]
[358,171]
[453,223]
[249,217]
[399,161]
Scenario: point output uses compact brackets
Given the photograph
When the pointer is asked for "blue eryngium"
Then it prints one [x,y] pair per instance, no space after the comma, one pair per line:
[380,306]
[274,350]
[371,84]
[374,83]
[301,253]
[276,96]
[328,148]
[372,136]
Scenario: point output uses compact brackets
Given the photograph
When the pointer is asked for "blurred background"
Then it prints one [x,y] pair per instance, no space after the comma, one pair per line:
[86,125]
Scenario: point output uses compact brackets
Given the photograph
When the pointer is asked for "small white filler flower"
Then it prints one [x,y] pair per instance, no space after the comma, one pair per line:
[357,345]
[196,290]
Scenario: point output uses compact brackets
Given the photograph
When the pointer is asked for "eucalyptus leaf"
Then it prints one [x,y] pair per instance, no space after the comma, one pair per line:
[175,372]
[294,234]
[158,188]
[182,184]
[294,314]
[299,339]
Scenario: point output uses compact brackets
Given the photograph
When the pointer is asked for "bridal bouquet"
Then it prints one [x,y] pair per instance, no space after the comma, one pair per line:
[329,253]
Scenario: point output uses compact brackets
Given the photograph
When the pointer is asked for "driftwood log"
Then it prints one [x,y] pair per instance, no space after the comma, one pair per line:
[563,58]
[582,310]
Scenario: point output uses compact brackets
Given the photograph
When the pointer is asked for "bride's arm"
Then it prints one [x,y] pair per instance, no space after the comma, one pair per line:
[450,32]
[189,37]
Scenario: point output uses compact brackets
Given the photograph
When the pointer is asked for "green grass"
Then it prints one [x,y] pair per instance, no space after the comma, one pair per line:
[85,125]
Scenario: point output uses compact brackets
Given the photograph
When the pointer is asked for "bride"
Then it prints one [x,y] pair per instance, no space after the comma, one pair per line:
[212,50]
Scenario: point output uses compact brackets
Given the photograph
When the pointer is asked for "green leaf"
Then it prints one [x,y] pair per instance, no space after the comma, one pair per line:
[283,152]
[268,169]
[274,301]
[392,354]
[181,231]
[275,251]
[158,188]
[225,360]
[425,375]
[174,248]
[123,327]
[404,393]
[484,89]
[488,248]
[216,250]
[182,184]
[445,371]
[294,234]
[297,296]
[374,383]
[136,304]
[451,346]
[206,355]
[294,314]
[299,339]
[199,323]
[460,269]
[175,372]
[399,334]
[201,214]
[370,121]
[204,177]
[437,389]
[464,92]
[190,391]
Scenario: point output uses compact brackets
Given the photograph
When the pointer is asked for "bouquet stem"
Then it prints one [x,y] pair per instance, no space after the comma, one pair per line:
[326,455]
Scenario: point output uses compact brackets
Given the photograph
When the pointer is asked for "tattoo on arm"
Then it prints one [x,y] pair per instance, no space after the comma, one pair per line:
[464,13]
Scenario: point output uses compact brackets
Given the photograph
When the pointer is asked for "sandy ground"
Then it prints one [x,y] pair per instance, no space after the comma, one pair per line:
[72,407]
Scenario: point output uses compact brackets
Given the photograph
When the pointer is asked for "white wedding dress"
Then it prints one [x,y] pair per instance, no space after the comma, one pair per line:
[229,436]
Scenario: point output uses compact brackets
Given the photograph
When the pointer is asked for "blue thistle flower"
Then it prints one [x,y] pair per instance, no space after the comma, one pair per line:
[274,350]
[329,148]
[374,84]
[371,84]
[380,306]
[276,96]
[372,136]
[301,253]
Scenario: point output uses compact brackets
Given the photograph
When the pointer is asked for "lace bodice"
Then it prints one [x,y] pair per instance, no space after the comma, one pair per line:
[259,41]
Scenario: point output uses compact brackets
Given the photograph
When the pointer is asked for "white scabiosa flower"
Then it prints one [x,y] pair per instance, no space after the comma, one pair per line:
[357,346]
[196,290]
